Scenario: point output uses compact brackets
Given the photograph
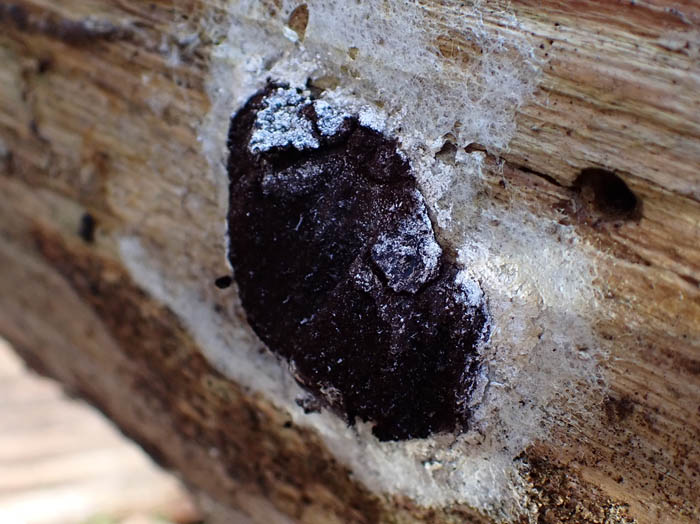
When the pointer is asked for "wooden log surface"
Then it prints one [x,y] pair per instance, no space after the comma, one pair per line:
[61,462]
[113,118]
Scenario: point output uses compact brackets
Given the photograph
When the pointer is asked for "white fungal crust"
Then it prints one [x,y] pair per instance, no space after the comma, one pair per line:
[281,124]
[536,274]
[330,119]
[471,293]
[409,258]
[294,181]
[372,119]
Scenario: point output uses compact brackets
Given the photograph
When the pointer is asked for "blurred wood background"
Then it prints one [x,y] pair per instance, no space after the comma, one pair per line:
[62,462]
[99,139]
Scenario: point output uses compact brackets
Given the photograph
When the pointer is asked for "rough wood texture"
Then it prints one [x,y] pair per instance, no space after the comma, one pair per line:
[100,108]
[61,462]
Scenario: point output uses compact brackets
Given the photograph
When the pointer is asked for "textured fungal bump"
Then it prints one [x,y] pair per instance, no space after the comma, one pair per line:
[408,257]
[339,269]
[329,119]
[281,124]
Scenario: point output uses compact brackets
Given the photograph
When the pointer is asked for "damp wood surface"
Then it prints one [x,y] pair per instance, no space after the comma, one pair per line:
[101,105]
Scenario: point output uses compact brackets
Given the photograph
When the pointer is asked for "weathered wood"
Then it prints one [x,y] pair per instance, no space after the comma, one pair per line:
[101,107]
[60,461]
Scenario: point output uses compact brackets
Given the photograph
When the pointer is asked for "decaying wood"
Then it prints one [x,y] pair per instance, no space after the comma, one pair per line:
[62,462]
[97,119]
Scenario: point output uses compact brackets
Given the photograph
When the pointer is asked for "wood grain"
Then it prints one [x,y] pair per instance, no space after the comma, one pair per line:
[60,462]
[101,119]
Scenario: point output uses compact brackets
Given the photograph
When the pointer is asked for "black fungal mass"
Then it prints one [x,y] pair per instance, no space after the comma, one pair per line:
[339,270]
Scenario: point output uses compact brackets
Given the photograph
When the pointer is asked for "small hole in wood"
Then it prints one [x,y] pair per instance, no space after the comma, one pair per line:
[606,195]
[447,153]
[223,282]
[86,229]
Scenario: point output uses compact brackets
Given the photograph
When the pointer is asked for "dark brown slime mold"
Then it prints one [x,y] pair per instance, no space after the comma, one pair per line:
[339,270]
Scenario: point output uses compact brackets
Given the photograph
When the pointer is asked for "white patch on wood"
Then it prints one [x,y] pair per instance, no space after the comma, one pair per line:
[535,275]
[471,293]
[330,119]
[409,257]
[280,123]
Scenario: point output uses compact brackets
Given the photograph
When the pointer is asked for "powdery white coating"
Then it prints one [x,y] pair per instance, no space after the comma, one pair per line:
[439,175]
[366,279]
[455,67]
[402,79]
[472,295]
[281,125]
[293,181]
[235,351]
[538,280]
[330,119]
[410,257]
[371,118]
